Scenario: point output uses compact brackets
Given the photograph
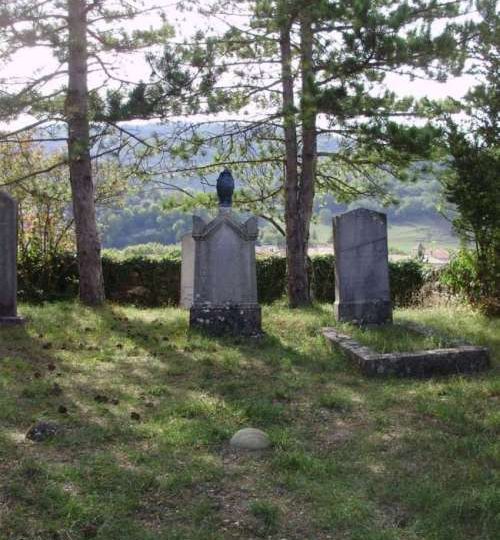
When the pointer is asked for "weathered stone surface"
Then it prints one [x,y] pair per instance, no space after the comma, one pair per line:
[250,439]
[233,320]
[459,359]
[187,271]
[8,253]
[225,270]
[42,431]
[362,293]
[225,280]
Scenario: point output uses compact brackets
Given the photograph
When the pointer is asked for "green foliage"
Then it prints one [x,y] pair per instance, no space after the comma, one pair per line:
[142,221]
[473,186]
[463,278]
[44,223]
[149,275]
[322,277]
[45,278]
[406,279]
[460,276]
[150,251]
[271,278]
[471,145]
[143,281]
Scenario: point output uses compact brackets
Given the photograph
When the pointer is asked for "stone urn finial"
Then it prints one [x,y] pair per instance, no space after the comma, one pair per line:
[225,188]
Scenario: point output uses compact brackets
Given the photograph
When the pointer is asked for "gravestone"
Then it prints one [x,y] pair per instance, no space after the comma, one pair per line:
[187,271]
[8,267]
[225,280]
[362,293]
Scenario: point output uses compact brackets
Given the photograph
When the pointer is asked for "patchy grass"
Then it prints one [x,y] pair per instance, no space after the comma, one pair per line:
[395,338]
[352,458]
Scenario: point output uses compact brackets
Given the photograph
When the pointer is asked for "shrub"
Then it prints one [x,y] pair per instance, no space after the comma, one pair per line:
[53,277]
[151,277]
[322,275]
[406,279]
[271,278]
[152,251]
[143,281]
[462,278]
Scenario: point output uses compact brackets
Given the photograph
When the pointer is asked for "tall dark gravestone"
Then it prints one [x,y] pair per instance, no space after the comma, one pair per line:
[362,293]
[8,266]
[225,280]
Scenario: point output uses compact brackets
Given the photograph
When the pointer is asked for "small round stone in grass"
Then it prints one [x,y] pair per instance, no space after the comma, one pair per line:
[250,439]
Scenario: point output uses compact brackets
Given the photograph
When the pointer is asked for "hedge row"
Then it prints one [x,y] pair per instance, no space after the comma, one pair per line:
[156,281]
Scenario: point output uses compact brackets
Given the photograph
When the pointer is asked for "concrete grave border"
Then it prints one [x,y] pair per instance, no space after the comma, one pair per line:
[462,358]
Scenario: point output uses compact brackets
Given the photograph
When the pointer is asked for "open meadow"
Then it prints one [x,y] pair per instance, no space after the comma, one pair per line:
[146,409]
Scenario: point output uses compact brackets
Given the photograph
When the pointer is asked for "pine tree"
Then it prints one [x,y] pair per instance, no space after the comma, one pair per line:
[306,70]
[471,144]
[85,36]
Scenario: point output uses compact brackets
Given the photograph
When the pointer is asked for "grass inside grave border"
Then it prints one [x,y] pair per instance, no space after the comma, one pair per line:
[401,336]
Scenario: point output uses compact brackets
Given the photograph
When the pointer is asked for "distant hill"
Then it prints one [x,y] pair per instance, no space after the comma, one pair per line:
[412,220]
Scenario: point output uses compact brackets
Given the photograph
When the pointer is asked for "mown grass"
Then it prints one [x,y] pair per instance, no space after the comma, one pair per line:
[352,458]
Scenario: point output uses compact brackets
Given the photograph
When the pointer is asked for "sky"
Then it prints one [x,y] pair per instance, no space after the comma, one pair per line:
[31,62]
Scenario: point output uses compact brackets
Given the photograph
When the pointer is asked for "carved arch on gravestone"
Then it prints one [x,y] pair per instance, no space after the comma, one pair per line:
[247,230]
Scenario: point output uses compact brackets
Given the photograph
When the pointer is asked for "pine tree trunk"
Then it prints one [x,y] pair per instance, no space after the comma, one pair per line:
[87,238]
[309,134]
[296,247]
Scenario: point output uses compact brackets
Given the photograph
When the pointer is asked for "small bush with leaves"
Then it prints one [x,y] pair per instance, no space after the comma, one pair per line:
[462,278]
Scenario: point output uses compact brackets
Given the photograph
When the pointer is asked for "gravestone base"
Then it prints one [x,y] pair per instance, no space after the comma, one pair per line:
[231,320]
[367,313]
[11,321]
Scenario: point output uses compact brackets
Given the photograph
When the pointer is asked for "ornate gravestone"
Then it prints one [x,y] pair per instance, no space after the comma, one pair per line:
[225,281]
[8,267]
[362,293]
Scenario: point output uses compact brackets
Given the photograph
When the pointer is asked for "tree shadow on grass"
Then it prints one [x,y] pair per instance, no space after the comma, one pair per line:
[224,382]
[113,477]
[88,479]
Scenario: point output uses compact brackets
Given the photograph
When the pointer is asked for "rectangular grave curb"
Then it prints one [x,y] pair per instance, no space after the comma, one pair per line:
[460,359]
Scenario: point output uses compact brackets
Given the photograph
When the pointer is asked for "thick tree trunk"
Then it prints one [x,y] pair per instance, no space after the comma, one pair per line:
[296,247]
[87,238]
[309,134]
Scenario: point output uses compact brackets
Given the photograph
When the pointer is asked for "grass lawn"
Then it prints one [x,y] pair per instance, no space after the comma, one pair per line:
[352,458]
